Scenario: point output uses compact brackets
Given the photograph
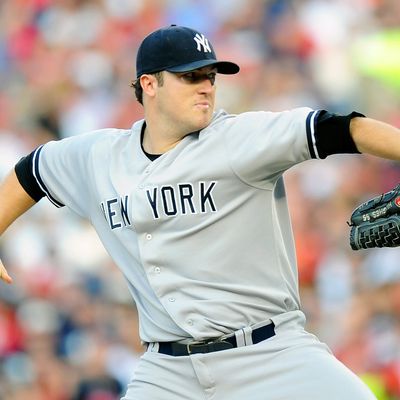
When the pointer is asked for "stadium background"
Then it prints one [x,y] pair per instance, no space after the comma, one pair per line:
[67,326]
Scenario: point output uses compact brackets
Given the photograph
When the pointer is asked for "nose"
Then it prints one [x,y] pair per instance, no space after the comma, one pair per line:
[207,85]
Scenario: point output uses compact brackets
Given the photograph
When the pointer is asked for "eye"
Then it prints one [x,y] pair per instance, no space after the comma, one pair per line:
[211,76]
[195,77]
[189,77]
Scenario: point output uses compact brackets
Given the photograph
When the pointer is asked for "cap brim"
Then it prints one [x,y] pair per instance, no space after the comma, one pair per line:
[223,67]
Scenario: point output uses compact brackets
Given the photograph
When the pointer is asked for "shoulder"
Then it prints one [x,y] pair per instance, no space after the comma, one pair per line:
[221,117]
[261,121]
[86,142]
[77,151]
[106,135]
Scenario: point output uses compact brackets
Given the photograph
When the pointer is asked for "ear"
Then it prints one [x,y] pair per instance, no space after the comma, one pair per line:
[149,84]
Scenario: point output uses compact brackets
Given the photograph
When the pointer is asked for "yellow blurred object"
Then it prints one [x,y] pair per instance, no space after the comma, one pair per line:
[376,384]
[378,56]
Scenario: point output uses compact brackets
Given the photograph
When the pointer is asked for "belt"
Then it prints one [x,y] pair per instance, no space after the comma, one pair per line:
[223,343]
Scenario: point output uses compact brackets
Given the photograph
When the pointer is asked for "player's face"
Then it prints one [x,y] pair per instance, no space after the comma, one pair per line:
[188,98]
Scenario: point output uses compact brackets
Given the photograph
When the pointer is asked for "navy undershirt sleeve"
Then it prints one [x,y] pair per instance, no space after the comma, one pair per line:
[24,171]
[332,133]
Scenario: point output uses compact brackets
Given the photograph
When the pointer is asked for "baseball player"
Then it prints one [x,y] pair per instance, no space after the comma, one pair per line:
[190,204]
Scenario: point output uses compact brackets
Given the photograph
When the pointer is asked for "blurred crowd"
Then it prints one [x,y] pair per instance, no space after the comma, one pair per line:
[68,328]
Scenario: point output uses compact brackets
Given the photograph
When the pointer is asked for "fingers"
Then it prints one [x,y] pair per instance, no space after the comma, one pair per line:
[4,274]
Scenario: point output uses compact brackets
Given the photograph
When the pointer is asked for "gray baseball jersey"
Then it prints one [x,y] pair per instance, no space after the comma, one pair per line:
[202,233]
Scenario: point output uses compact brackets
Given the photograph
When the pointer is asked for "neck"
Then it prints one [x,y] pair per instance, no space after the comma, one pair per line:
[159,137]
[158,143]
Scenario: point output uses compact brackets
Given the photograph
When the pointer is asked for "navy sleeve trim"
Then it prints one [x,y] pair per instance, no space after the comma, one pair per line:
[332,134]
[24,171]
[36,174]
[310,129]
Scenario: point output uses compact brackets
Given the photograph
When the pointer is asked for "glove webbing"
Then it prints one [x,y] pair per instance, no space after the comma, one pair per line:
[376,234]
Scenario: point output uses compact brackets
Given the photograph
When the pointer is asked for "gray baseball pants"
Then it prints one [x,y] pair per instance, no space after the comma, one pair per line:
[292,365]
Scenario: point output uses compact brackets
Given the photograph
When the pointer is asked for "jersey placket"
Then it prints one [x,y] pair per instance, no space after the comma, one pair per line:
[150,254]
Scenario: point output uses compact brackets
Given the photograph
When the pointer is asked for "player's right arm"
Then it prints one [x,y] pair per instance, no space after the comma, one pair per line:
[14,201]
[57,170]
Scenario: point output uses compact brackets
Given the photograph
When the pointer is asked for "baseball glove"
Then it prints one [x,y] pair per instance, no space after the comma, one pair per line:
[376,223]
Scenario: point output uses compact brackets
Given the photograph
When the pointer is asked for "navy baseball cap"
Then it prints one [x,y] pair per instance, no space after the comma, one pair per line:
[178,49]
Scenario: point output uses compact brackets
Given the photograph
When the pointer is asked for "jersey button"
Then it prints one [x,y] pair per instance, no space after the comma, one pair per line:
[157,270]
[171,299]
[148,236]
[189,322]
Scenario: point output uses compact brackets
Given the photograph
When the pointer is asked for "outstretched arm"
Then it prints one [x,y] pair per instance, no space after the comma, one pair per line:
[376,138]
[14,201]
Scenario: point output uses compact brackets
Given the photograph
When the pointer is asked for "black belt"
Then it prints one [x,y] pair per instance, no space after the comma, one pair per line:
[180,349]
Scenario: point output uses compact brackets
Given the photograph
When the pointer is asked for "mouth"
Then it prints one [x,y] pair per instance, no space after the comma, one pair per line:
[204,105]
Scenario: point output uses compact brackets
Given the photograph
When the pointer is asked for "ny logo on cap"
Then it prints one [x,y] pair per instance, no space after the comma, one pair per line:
[202,41]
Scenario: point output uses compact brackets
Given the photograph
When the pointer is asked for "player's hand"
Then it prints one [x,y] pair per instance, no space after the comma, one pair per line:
[4,274]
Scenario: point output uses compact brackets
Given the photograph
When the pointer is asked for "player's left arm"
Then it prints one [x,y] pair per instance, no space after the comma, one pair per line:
[376,137]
